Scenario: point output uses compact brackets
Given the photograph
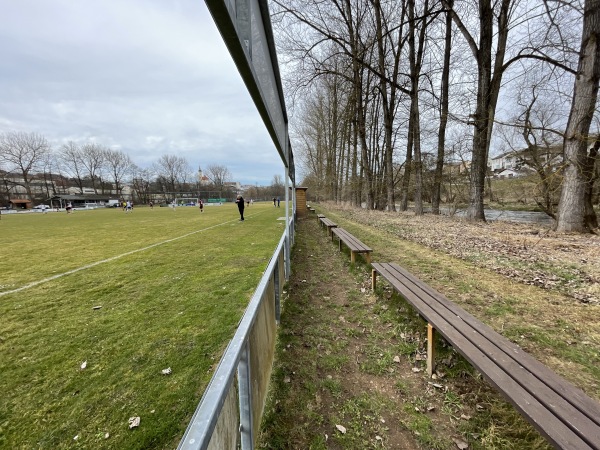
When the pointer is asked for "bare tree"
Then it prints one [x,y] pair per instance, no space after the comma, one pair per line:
[536,125]
[575,213]
[23,153]
[493,27]
[92,159]
[322,124]
[54,182]
[330,32]
[444,102]
[118,165]
[386,44]
[71,158]
[277,186]
[544,42]
[416,40]
[218,175]
[172,172]
[141,183]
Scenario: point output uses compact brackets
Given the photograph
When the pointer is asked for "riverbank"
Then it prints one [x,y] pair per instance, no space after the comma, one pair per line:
[530,253]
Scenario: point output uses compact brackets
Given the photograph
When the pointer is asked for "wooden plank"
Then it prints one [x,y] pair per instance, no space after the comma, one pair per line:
[562,424]
[576,396]
[571,415]
[329,224]
[353,244]
[527,404]
[351,241]
[511,351]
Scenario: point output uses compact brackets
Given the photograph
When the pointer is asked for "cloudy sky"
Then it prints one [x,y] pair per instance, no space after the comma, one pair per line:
[149,77]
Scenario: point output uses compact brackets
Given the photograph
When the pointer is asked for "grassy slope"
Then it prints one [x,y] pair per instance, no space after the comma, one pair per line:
[559,331]
[174,305]
[325,346]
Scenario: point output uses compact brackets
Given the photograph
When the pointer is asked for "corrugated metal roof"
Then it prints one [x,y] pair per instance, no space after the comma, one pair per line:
[103,197]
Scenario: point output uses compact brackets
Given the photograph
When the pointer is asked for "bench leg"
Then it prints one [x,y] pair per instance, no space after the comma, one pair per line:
[430,349]
[368,257]
[352,256]
[373,279]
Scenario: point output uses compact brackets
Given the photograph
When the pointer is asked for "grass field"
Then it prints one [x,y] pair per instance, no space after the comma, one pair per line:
[129,295]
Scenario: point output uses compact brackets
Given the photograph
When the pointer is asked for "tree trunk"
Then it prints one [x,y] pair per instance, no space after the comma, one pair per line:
[407,168]
[418,165]
[439,166]
[480,134]
[387,114]
[591,219]
[488,89]
[415,73]
[572,207]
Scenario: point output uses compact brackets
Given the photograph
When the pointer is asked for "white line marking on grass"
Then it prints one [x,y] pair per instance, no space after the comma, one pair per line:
[97,263]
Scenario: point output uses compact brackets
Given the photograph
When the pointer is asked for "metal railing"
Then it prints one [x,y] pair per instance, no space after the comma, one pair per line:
[231,408]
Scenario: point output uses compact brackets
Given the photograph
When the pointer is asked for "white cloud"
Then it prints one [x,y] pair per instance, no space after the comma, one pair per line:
[148,77]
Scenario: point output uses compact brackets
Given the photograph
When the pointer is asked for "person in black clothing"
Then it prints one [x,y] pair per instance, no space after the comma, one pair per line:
[240,203]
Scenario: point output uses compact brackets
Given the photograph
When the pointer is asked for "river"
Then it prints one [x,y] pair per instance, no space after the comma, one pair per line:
[511,216]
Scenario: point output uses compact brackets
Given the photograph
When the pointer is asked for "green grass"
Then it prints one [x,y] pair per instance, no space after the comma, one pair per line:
[172,305]
[523,313]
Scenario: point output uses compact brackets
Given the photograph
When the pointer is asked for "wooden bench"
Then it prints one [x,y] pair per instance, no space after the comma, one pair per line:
[561,412]
[352,243]
[327,223]
[320,216]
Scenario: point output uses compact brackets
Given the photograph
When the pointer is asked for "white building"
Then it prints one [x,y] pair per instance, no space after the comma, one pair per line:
[203,180]
[524,159]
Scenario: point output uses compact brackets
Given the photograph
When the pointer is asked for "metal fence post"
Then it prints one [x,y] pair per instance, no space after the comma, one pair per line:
[277,294]
[287,256]
[245,392]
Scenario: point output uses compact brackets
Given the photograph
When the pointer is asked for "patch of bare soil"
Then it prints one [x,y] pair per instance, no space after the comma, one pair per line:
[527,253]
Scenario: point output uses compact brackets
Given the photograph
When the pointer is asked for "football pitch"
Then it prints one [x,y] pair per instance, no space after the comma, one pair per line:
[107,315]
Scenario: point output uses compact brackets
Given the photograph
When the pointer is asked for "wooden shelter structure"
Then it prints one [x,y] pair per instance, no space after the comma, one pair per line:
[20,203]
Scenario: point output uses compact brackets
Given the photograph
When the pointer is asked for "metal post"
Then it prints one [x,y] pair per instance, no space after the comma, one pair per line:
[293,235]
[245,390]
[277,295]
[287,222]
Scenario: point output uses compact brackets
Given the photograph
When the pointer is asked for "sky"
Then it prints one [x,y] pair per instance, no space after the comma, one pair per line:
[148,77]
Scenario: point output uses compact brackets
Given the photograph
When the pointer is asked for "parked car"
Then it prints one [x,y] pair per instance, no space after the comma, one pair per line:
[42,207]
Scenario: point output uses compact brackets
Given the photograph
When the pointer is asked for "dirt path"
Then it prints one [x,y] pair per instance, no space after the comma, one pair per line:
[350,372]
